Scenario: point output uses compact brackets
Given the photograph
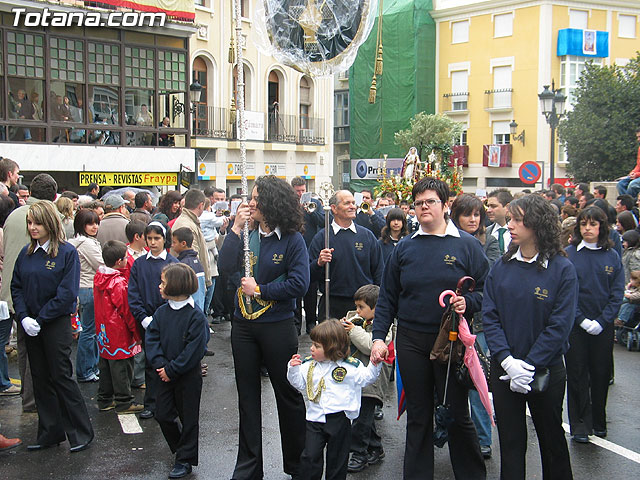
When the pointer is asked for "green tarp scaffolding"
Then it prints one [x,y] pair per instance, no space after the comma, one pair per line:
[406,86]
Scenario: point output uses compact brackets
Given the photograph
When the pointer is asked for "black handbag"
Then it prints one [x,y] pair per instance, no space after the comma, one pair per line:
[540,380]
[462,372]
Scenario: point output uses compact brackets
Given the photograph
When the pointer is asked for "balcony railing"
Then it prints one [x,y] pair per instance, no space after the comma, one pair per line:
[220,123]
[341,134]
[456,102]
[499,99]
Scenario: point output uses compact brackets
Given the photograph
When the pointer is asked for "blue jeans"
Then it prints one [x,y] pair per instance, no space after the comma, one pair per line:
[629,186]
[209,296]
[626,311]
[5,331]
[479,415]
[198,297]
[87,357]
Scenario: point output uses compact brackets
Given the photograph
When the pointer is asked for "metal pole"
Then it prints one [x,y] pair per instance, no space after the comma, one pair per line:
[241,134]
[553,152]
[327,279]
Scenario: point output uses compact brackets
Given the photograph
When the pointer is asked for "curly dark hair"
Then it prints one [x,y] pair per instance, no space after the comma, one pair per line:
[394,214]
[167,201]
[466,204]
[538,215]
[279,204]
[597,215]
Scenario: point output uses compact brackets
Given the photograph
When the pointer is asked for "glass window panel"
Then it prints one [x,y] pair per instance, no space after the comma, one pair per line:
[25,103]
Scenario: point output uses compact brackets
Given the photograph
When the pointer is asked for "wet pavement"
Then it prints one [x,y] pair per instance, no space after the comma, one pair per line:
[117,455]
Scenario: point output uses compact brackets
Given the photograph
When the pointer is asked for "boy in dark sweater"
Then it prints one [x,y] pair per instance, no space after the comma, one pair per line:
[181,243]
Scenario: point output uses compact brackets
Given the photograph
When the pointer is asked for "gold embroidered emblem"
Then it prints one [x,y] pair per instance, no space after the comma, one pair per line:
[338,374]
[359,245]
[277,258]
[541,293]
[608,269]
[449,259]
[50,265]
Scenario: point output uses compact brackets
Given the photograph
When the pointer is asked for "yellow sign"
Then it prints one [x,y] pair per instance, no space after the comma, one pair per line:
[120,179]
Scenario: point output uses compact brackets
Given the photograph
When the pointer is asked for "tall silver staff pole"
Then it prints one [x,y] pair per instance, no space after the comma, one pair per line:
[326,192]
[241,134]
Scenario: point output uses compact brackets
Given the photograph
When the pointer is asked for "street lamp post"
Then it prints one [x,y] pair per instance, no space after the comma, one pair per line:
[552,106]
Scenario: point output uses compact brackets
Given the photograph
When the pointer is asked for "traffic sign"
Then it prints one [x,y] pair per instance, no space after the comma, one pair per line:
[530,172]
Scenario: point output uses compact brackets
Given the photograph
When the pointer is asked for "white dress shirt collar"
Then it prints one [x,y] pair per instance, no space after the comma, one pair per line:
[590,246]
[451,230]
[44,246]
[518,256]
[336,228]
[162,256]
[175,305]
[276,230]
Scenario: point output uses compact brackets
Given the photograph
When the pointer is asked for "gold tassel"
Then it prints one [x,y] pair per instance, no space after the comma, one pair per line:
[372,91]
[378,69]
[232,111]
[232,51]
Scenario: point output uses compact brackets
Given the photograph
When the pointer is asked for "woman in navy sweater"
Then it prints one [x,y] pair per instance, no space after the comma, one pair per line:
[44,288]
[589,359]
[265,333]
[528,310]
[421,266]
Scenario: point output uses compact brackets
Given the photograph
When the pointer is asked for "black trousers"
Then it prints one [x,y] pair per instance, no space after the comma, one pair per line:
[310,301]
[364,436]
[335,434]
[26,387]
[422,377]
[152,380]
[178,412]
[338,307]
[115,383]
[589,363]
[272,344]
[61,408]
[546,413]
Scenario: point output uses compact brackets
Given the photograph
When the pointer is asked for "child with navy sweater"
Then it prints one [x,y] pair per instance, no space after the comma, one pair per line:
[144,298]
[181,243]
[589,359]
[175,342]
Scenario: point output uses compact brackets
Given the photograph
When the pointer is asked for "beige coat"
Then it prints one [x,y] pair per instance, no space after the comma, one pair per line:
[362,339]
[90,255]
[188,219]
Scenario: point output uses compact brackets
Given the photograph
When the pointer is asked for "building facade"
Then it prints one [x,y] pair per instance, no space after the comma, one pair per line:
[495,57]
[288,114]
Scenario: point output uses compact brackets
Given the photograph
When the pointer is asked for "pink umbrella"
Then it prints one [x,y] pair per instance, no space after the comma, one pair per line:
[471,358]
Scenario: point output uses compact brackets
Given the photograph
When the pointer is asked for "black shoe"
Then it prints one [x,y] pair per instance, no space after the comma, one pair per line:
[209,353]
[146,414]
[41,446]
[378,414]
[486,451]
[357,463]
[374,456]
[581,438]
[81,447]
[180,470]
[600,433]
[216,321]
[264,372]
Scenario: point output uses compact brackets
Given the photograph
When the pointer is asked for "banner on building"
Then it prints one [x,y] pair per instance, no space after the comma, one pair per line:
[183,10]
[124,179]
[277,169]
[253,125]
[306,171]
[234,171]
[371,168]
[206,170]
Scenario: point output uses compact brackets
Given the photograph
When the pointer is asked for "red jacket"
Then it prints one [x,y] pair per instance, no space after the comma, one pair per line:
[115,326]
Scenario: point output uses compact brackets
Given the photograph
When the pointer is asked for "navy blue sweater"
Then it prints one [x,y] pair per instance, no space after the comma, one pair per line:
[418,270]
[356,260]
[287,256]
[46,288]
[528,313]
[374,222]
[190,257]
[144,291]
[387,249]
[313,222]
[176,339]
[601,280]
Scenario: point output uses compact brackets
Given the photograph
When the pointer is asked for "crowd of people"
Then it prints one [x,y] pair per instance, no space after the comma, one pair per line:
[148,278]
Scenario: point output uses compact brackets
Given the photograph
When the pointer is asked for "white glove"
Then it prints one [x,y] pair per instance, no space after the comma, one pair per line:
[585,324]
[146,322]
[31,326]
[595,328]
[517,368]
[519,386]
